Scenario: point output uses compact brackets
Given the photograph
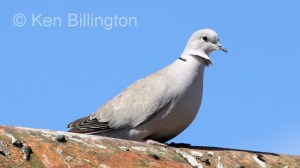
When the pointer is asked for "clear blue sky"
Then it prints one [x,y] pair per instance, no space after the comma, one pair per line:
[53,75]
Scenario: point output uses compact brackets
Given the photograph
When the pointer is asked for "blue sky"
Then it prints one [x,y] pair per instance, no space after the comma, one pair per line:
[53,75]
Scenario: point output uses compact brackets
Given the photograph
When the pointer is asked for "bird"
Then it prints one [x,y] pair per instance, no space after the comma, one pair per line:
[160,106]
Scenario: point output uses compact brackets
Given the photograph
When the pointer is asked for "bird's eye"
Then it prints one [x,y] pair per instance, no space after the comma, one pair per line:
[204,37]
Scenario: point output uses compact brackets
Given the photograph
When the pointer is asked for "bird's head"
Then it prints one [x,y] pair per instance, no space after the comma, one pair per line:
[202,43]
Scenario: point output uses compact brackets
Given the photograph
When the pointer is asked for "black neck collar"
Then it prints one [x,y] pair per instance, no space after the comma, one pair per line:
[182,59]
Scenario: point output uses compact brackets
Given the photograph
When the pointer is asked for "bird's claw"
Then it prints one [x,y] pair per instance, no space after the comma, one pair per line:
[155,143]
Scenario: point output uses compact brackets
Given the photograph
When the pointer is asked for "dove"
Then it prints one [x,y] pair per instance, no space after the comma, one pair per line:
[160,106]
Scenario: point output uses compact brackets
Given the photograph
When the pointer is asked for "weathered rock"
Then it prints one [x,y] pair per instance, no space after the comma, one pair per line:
[46,150]
[17,143]
[154,156]
[61,138]
[27,152]
[3,149]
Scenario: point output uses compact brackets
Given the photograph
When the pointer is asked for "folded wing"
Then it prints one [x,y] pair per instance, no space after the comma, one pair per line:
[135,105]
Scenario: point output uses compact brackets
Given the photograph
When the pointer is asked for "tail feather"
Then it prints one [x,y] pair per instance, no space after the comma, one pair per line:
[87,126]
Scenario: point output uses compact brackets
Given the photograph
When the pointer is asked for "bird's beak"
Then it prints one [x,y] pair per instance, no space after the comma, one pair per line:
[220,47]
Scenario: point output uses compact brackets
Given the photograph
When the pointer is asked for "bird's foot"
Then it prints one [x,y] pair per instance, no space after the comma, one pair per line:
[155,143]
[179,145]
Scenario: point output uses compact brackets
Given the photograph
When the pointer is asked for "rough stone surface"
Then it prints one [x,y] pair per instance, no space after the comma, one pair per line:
[61,138]
[3,150]
[95,151]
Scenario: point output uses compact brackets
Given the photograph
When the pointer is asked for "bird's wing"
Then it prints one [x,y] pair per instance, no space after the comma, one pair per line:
[135,105]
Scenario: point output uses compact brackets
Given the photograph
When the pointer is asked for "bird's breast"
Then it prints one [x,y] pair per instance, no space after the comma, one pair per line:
[186,105]
[186,84]
[182,111]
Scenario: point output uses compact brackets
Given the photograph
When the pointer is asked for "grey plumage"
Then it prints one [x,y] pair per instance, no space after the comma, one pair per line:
[160,106]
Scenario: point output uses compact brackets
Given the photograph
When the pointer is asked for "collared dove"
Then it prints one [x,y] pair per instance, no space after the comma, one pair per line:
[161,105]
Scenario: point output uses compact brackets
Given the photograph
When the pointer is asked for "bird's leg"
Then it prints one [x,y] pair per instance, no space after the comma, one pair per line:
[155,143]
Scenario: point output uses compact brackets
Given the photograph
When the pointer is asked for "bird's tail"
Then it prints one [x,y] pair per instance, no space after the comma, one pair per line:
[86,125]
